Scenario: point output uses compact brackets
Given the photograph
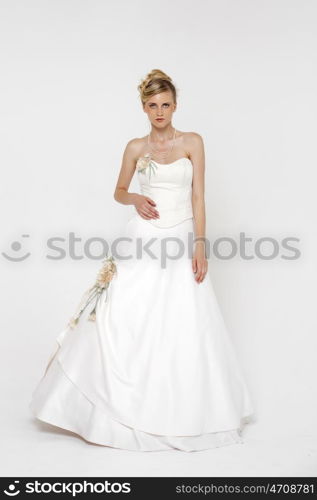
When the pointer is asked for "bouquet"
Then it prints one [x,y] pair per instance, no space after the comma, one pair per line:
[145,162]
[103,280]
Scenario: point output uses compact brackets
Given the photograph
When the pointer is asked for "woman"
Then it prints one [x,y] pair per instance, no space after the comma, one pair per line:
[155,368]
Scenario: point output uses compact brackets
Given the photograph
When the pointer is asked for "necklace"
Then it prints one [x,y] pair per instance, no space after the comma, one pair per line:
[162,154]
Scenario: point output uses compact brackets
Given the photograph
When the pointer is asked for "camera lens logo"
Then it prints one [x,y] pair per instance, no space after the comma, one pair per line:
[12,490]
[16,246]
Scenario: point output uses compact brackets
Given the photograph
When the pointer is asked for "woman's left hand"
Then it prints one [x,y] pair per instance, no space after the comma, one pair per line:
[199,262]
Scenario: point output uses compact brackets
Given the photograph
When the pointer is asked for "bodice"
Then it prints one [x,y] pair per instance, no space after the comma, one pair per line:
[170,186]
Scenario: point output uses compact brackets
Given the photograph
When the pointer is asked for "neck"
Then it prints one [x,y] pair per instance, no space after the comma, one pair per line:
[162,135]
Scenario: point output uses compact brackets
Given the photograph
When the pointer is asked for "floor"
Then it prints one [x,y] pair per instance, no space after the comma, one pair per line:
[34,448]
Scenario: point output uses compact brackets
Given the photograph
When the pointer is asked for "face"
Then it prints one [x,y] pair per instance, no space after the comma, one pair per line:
[160,108]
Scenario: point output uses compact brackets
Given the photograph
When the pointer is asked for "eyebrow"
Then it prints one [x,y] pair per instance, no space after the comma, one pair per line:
[167,102]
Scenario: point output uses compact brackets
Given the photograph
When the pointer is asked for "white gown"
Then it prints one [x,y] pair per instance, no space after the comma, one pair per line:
[157,369]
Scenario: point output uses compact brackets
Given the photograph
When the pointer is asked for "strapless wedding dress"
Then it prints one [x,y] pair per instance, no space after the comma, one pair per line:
[157,369]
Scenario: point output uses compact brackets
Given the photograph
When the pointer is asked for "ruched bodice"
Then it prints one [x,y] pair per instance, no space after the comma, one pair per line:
[170,186]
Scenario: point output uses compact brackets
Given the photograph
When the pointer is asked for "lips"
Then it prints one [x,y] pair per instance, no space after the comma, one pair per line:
[159,119]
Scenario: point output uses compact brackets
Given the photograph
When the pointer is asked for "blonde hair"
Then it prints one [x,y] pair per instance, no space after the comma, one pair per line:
[155,82]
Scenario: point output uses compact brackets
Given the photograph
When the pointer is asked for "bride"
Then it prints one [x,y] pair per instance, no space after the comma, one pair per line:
[151,367]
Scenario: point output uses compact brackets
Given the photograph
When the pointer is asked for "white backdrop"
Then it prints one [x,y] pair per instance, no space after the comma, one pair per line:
[247,77]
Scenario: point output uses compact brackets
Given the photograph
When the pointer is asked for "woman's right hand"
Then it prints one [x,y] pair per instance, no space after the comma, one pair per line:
[145,207]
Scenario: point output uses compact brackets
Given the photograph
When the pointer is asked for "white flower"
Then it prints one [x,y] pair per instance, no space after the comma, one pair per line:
[106,273]
[73,322]
[92,316]
[145,162]
[102,282]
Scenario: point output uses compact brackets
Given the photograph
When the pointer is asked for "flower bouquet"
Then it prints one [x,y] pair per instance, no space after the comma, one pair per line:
[145,162]
[103,280]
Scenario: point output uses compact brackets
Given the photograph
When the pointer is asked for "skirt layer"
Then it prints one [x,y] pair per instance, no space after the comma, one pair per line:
[157,369]
[60,403]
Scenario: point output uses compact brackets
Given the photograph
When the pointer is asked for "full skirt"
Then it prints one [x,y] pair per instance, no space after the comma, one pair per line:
[157,369]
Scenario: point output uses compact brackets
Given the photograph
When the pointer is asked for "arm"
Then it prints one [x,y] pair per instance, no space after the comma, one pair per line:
[197,153]
[121,194]
[144,205]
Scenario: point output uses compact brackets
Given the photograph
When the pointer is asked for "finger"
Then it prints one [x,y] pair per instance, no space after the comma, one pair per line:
[197,278]
[204,273]
[146,211]
[143,214]
[199,274]
[152,210]
[194,265]
[154,213]
[152,202]
[149,210]
[151,205]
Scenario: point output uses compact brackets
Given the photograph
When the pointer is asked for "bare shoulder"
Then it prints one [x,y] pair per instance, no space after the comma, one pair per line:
[193,138]
[134,147]
[194,144]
